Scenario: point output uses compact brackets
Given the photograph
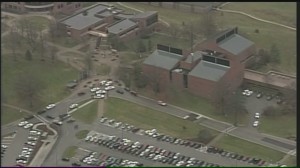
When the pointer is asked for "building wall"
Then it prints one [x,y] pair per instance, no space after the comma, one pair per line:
[158,74]
[177,80]
[201,87]
[19,7]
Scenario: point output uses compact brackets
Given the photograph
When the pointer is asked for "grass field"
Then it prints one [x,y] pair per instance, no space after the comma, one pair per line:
[66,41]
[54,77]
[281,12]
[40,22]
[70,152]
[246,148]
[283,126]
[167,14]
[86,114]
[9,115]
[189,101]
[146,118]
[82,134]
[291,161]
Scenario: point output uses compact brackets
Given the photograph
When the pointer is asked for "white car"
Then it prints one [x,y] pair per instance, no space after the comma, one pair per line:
[102,82]
[247,92]
[50,106]
[257,115]
[99,96]
[28,125]
[255,124]
[72,106]
[109,88]
[161,103]
[22,123]
[33,138]
[101,92]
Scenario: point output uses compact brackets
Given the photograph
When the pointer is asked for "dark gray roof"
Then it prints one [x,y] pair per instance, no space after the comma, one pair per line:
[121,26]
[235,44]
[125,16]
[144,14]
[105,13]
[209,71]
[163,59]
[79,21]
[197,55]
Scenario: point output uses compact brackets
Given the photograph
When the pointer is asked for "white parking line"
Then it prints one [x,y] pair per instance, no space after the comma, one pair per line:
[5,143]
[84,150]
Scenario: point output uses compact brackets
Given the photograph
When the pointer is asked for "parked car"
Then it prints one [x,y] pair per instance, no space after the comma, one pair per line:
[50,106]
[255,123]
[162,103]
[65,159]
[259,95]
[120,91]
[41,112]
[133,93]
[81,93]
[73,106]
[257,115]
[269,97]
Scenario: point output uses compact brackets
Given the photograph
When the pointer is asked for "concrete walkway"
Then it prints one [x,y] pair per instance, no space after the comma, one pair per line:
[45,149]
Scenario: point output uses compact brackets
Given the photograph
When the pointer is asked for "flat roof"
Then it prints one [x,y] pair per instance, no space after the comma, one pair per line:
[163,59]
[79,21]
[235,44]
[121,26]
[209,71]
[144,14]
[197,55]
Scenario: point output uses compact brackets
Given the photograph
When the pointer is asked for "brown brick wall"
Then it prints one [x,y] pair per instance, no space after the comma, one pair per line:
[162,75]
[177,80]
[201,87]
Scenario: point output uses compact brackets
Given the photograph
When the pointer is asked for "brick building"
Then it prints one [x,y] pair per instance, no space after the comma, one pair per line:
[44,7]
[107,20]
[217,65]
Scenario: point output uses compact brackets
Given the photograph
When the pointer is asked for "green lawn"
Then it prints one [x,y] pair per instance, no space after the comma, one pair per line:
[291,161]
[40,22]
[169,15]
[70,152]
[146,118]
[281,12]
[103,69]
[283,126]
[87,114]
[9,115]
[54,77]
[127,56]
[82,134]
[66,41]
[189,101]
[246,148]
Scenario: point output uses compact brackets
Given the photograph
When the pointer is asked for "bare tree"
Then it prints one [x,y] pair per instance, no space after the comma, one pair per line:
[42,46]
[89,63]
[208,25]
[234,105]
[13,42]
[28,87]
[174,31]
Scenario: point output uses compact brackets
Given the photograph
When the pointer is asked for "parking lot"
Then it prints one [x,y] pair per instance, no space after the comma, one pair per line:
[255,104]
